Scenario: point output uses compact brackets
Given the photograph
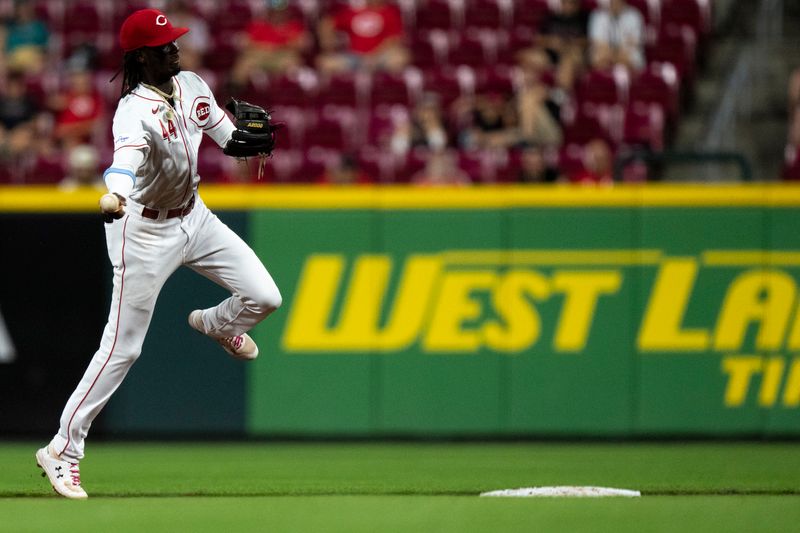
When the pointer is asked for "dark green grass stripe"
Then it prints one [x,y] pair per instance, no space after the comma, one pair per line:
[284,494]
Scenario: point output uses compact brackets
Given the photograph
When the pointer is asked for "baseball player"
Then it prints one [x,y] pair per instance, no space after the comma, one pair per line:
[156,222]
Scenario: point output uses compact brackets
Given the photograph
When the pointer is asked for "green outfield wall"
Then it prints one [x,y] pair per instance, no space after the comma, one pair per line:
[631,311]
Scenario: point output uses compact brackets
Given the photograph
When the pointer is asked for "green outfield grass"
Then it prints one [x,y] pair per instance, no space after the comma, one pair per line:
[152,487]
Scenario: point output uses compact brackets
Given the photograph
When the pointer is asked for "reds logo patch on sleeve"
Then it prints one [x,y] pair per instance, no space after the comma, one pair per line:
[201,111]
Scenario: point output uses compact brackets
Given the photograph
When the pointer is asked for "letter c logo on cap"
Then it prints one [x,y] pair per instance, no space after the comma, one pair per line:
[161,20]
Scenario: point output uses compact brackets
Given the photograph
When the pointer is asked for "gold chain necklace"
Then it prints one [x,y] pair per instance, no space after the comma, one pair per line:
[161,93]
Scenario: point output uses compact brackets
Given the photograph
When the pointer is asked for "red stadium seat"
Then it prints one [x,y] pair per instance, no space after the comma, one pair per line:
[470,49]
[693,13]
[297,88]
[585,125]
[520,38]
[234,16]
[491,14]
[51,13]
[791,163]
[650,10]
[450,83]
[83,26]
[530,13]
[293,132]
[658,84]
[383,122]
[676,45]
[603,87]
[498,79]
[210,162]
[429,48]
[570,159]
[644,126]
[403,88]
[473,163]
[439,14]
[343,89]
[332,127]
[379,164]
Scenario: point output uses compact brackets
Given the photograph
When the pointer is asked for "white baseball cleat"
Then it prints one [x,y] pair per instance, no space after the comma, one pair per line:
[64,476]
[240,347]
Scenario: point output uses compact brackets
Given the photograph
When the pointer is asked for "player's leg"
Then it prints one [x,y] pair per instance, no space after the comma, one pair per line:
[219,254]
[141,264]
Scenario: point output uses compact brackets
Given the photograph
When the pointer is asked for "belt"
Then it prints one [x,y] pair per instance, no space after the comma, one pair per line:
[149,212]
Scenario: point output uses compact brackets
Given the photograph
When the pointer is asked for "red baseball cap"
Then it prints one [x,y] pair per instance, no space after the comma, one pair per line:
[147,27]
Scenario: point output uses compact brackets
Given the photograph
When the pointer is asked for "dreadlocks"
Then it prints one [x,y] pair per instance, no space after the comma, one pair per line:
[131,72]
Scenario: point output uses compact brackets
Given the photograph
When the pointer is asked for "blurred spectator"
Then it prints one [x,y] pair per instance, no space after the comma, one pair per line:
[536,120]
[275,42]
[82,169]
[425,128]
[373,35]
[564,38]
[46,165]
[25,39]
[195,43]
[791,166]
[441,169]
[345,172]
[616,36]
[78,109]
[598,164]
[534,167]
[492,123]
[17,114]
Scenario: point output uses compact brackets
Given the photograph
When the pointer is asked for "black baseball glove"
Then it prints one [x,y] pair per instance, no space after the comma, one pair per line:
[254,134]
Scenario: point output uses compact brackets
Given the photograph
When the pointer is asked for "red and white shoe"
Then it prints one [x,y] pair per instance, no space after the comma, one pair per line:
[240,347]
[64,476]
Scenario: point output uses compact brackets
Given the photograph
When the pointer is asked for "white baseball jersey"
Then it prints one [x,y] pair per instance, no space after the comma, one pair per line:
[156,145]
[166,225]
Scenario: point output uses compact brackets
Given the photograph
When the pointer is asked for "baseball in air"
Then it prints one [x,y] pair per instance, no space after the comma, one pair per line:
[109,203]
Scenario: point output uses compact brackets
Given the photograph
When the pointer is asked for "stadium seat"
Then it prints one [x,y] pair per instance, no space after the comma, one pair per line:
[530,13]
[791,163]
[297,88]
[343,89]
[51,12]
[602,87]
[490,14]
[383,122]
[292,134]
[332,127]
[570,159]
[650,10]
[499,79]
[210,162]
[658,84]
[287,166]
[450,83]
[644,126]
[403,88]
[676,45]
[439,14]
[234,16]
[377,163]
[519,38]
[591,121]
[507,164]
[693,13]
[430,48]
[221,56]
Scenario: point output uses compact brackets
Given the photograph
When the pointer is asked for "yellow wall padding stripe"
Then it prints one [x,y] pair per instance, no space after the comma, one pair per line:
[52,199]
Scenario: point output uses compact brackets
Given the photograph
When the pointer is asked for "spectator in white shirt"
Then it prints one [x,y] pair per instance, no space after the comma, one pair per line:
[616,36]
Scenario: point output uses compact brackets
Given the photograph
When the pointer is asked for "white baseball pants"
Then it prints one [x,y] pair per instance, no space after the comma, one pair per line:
[144,253]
